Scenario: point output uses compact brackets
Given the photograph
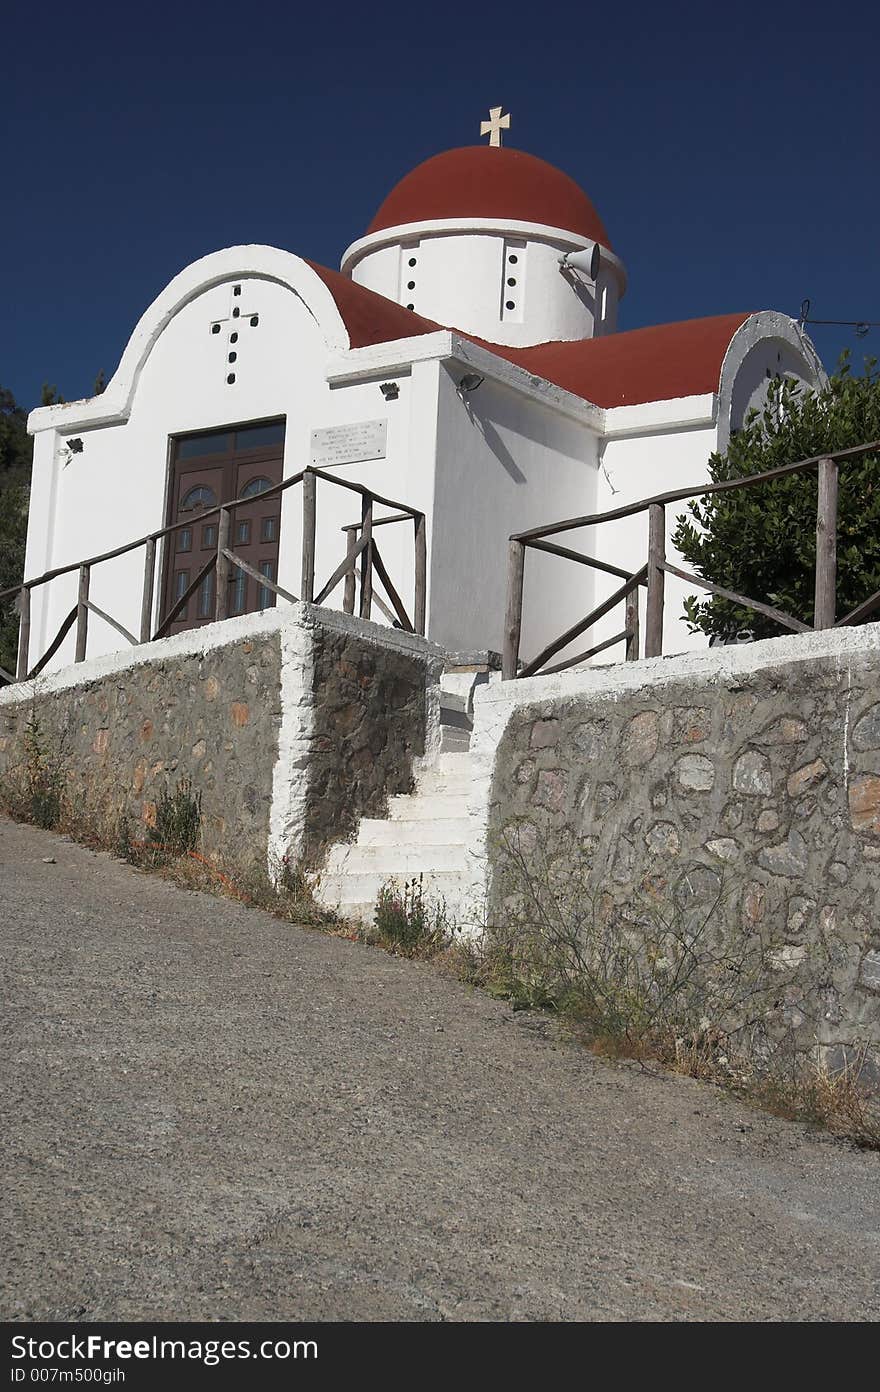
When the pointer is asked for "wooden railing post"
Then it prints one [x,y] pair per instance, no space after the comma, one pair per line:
[351,541]
[825,612]
[147,598]
[632,625]
[307,582]
[516,561]
[421,575]
[367,555]
[656,578]
[24,632]
[221,603]
[82,613]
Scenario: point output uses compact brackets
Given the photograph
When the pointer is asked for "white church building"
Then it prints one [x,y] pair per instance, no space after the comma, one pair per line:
[465,359]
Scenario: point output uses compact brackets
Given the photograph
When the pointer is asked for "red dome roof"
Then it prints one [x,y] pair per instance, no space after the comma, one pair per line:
[480,181]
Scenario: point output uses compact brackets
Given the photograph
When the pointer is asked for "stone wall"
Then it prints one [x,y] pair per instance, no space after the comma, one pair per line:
[369,727]
[289,724]
[745,783]
[121,739]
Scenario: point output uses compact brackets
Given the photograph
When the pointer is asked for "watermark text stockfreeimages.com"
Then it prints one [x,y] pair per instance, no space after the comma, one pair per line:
[95,1347]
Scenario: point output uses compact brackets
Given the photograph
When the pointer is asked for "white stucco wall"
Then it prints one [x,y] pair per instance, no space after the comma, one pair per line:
[648,450]
[504,463]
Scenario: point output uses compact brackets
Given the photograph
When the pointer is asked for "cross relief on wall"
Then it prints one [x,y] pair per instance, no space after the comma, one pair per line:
[239,321]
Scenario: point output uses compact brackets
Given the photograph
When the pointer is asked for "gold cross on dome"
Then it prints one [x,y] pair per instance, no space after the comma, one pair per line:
[495,125]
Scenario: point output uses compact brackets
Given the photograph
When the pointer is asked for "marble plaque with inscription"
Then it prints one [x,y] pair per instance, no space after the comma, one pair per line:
[349,444]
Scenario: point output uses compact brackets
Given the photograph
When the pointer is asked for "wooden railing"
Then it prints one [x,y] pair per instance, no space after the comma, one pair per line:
[362,558]
[652,575]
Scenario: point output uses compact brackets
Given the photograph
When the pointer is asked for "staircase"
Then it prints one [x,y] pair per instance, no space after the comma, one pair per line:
[427,832]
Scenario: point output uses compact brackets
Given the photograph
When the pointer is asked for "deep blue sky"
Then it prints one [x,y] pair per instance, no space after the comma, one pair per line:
[731,152]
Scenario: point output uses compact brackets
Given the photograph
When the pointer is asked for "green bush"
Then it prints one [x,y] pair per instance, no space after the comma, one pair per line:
[16,448]
[761,541]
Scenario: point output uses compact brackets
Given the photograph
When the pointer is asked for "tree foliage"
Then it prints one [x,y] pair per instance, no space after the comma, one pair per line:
[15,474]
[761,541]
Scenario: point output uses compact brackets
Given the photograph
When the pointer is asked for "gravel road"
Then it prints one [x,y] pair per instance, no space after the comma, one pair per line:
[210,1114]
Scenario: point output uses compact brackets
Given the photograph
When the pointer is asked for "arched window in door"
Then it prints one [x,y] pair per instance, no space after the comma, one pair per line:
[254,487]
[199,498]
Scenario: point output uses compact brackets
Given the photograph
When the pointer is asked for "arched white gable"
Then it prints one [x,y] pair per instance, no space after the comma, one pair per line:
[767,344]
[252,262]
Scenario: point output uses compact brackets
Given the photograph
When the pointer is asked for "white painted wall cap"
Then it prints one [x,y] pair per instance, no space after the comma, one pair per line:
[226,633]
[447,345]
[719,665]
[658,417]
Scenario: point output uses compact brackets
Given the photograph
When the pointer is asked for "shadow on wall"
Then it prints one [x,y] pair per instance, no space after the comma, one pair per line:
[494,441]
[583,292]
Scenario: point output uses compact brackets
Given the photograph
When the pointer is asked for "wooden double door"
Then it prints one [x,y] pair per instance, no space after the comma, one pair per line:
[217,467]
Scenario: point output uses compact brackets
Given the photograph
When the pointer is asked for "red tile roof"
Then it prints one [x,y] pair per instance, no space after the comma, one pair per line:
[626,369]
[370,318]
[622,369]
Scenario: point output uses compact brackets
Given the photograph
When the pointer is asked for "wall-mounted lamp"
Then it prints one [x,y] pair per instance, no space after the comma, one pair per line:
[69,449]
[469,383]
[390,390]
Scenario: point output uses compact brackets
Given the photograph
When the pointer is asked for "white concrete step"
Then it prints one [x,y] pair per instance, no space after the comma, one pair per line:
[410,807]
[450,774]
[442,785]
[427,833]
[362,889]
[458,764]
[455,719]
[453,701]
[453,739]
[415,831]
[395,859]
